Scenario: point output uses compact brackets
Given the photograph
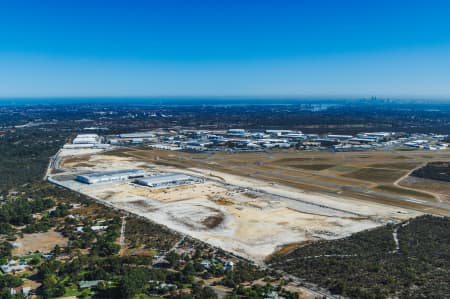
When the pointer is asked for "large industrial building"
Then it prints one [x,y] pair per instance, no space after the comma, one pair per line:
[165,180]
[138,135]
[86,139]
[110,176]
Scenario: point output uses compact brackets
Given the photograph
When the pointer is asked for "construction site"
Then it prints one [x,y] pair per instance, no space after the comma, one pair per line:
[257,204]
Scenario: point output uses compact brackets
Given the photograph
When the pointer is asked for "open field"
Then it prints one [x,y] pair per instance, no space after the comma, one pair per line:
[375,175]
[255,204]
[42,242]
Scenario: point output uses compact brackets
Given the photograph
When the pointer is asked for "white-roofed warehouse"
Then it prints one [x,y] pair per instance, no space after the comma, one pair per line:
[170,179]
[86,139]
[110,176]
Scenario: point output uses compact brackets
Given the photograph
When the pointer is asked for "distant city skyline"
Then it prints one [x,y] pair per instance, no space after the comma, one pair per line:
[393,49]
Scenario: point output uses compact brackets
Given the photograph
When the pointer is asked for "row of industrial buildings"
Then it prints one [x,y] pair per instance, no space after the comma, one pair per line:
[139,177]
[241,139]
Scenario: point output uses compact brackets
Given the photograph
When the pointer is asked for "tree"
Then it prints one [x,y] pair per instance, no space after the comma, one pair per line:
[173,258]
[133,282]
[52,288]
[105,248]
[206,293]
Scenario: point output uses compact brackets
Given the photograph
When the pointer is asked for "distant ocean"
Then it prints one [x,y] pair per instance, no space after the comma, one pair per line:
[154,101]
[207,101]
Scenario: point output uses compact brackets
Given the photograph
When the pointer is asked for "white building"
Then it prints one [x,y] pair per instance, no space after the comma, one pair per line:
[86,139]
[13,265]
[165,147]
[236,131]
[339,137]
[96,228]
[110,176]
[294,136]
[138,135]
[170,179]
[279,132]
[86,145]
[378,134]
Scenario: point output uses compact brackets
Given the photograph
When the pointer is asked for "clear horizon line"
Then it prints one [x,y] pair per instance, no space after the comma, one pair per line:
[276,96]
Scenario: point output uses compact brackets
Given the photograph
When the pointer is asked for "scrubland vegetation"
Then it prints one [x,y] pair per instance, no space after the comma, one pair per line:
[436,171]
[367,264]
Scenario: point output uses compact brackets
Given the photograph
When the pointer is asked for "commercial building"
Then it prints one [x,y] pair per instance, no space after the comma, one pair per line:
[110,176]
[86,139]
[167,147]
[165,180]
[279,132]
[379,134]
[339,137]
[197,143]
[294,136]
[236,131]
[138,135]
[135,138]
[362,140]
[86,145]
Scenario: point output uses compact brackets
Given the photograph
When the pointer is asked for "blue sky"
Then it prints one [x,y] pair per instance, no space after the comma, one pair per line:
[300,48]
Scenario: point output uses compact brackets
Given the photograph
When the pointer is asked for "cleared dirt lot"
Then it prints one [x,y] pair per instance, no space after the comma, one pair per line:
[248,204]
[42,242]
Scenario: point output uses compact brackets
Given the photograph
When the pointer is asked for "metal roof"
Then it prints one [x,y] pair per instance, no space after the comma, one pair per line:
[165,178]
[113,173]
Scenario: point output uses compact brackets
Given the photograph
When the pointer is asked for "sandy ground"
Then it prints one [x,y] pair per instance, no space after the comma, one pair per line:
[179,193]
[97,162]
[340,203]
[78,152]
[249,217]
[42,242]
[245,230]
